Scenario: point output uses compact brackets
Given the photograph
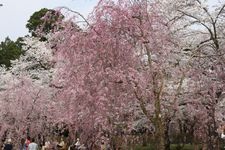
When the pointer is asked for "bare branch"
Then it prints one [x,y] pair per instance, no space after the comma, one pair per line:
[75,12]
[56,86]
[79,14]
[203,42]
[199,21]
[206,11]
[175,18]
[222,8]
[208,56]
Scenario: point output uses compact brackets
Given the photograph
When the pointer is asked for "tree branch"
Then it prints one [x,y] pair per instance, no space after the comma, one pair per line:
[79,14]
[207,12]
[217,16]
[199,21]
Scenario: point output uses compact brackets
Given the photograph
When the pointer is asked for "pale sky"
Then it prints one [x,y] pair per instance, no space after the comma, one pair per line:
[15,13]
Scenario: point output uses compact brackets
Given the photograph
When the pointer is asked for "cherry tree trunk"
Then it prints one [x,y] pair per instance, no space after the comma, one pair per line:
[159,131]
[167,138]
[159,122]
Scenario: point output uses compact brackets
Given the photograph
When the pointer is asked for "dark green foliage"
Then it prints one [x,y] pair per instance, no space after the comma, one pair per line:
[44,19]
[10,50]
[172,147]
[36,20]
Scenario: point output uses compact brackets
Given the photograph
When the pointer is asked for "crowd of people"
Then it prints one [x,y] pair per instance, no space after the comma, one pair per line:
[31,144]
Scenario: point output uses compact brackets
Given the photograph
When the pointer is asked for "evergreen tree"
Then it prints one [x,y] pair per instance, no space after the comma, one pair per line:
[10,50]
[43,19]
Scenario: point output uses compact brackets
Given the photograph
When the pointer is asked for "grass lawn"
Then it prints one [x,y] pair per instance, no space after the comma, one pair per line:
[173,147]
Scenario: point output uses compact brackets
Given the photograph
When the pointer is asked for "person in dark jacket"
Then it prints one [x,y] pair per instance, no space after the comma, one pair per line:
[22,144]
[8,145]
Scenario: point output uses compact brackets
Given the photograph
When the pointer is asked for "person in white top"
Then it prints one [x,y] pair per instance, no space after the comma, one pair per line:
[33,145]
[221,131]
[46,146]
[77,144]
[61,145]
[223,134]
